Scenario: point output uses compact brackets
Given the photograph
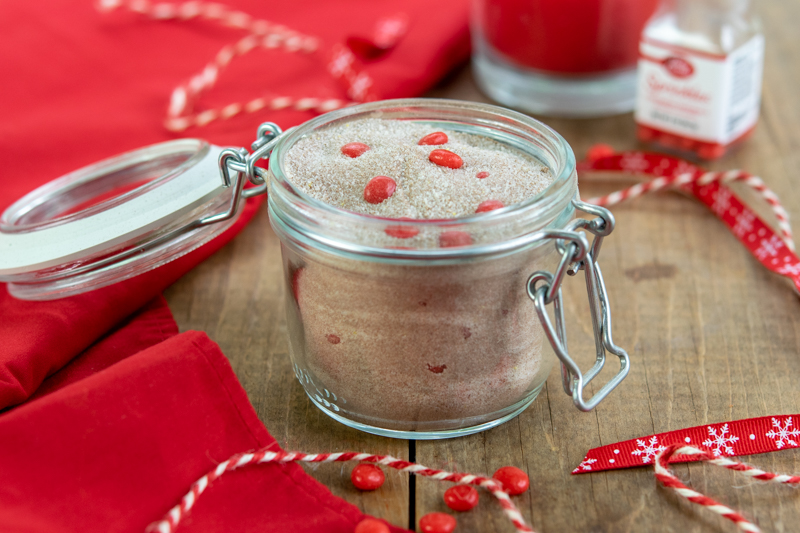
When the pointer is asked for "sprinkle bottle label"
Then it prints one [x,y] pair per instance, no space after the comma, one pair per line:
[700,96]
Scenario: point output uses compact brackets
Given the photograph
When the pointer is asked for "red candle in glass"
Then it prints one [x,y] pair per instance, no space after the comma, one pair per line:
[568,36]
[560,57]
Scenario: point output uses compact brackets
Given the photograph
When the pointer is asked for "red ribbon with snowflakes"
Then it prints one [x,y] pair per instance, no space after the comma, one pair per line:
[774,250]
[740,437]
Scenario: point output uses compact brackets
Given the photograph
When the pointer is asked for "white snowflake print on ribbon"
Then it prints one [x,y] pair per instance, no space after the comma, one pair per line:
[769,248]
[683,167]
[648,450]
[789,270]
[722,201]
[585,465]
[720,442]
[635,162]
[783,432]
[744,224]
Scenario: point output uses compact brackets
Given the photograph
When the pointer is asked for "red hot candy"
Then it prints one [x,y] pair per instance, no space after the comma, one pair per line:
[445,158]
[461,497]
[378,189]
[482,175]
[401,232]
[367,477]
[435,138]
[489,205]
[451,239]
[514,480]
[354,149]
[437,523]
[370,525]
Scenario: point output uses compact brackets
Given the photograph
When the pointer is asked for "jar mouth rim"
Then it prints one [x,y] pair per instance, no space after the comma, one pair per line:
[553,199]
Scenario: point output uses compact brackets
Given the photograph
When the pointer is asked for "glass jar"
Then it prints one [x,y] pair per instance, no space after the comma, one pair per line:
[390,335]
[399,336]
[564,58]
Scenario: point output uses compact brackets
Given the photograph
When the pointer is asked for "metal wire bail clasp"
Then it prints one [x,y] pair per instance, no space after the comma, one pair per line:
[545,288]
[243,164]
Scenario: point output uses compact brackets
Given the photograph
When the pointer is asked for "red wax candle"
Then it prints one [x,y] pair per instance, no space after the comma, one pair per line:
[567,36]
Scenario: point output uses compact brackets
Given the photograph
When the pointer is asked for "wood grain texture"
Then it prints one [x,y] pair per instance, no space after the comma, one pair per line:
[712,336]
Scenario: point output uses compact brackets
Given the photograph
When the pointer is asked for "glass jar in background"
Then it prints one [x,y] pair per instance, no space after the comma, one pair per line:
[559,57]
[700,72]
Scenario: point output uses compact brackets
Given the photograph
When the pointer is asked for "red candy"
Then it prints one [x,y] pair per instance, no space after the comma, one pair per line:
[437,523]
[402,232]
[296,284]
[450,239]
[489,205]
[599,151]
[367,477]
[482,175]
[461,497]
[445,158]
[378,189]
[354,149]
[333,339]
[514,480]
[370,525]
[437,137]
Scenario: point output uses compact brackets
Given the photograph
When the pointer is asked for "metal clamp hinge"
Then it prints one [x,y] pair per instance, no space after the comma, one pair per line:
[545,288]
[243,165]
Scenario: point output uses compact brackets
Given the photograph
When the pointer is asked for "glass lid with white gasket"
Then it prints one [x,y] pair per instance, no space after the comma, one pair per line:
[126,215]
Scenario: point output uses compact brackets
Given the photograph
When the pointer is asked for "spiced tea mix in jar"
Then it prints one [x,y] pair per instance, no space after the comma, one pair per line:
[409,230]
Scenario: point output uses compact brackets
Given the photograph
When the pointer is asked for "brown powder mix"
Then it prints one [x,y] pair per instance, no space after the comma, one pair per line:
[419,347]
[425,190]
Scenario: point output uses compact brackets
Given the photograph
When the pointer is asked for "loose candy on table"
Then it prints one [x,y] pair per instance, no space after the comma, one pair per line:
[433,139]
[482,175]
[379,189]
[354,149]
[461,497]
[367,477]
[437,523]
[370,525]
[514,480]
[445,158]
[489,205]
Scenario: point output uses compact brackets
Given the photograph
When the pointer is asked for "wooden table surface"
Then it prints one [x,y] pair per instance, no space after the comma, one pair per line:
[712,336]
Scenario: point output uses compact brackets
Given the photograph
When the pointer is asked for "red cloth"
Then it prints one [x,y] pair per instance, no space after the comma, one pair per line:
[131,413]
[116,450]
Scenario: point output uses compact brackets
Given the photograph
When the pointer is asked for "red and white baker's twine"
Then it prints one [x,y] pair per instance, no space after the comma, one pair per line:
[170,522]
[701,177]
[666,477]
[262,34]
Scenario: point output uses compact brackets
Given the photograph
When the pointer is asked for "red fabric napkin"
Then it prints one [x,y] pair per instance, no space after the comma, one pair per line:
[132,413]
[115,450]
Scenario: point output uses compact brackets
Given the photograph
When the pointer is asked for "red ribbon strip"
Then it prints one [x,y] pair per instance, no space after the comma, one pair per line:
[770,249]
[740,437]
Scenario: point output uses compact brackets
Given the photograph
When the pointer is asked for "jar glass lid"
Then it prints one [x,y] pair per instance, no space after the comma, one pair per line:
[112,220]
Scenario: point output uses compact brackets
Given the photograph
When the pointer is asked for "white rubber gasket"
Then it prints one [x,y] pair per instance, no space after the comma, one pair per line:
[50,246]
